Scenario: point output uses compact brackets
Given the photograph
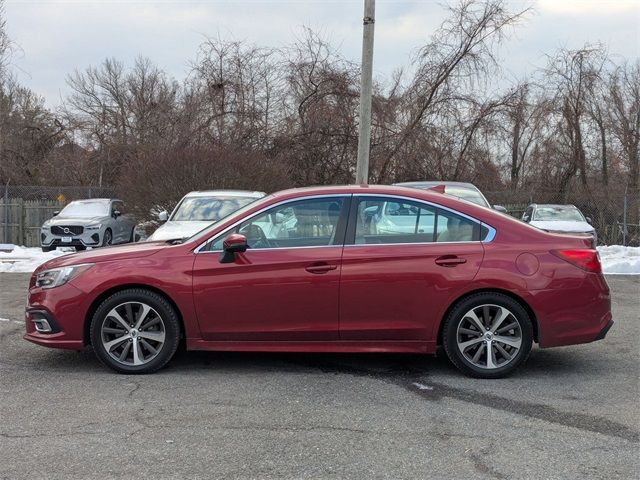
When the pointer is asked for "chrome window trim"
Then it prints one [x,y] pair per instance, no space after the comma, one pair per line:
[283,202]
[488,237]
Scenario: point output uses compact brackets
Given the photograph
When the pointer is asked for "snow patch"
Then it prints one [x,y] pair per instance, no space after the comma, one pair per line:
[619,260]
[26,260]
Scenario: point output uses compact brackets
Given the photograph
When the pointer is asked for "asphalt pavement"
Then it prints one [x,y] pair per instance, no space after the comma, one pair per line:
[569,412]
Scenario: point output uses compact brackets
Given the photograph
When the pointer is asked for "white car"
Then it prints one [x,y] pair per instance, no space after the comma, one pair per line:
[559,219]
[198,210]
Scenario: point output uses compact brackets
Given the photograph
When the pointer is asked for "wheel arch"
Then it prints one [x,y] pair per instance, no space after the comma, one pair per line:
[107,293]
[517,298]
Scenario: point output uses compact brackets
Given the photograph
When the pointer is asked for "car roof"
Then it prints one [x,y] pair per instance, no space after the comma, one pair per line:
[554,205]
[105,200]
[399,190]
[433,183]
[226,193]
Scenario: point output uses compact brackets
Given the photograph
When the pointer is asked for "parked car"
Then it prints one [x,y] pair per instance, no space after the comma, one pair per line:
[301,270]
[97,222]
[463,190]
[559,219]
[198,210]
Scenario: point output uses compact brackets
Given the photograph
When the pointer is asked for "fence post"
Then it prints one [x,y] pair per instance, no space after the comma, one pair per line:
[624,218]
[6,213]
[21,214]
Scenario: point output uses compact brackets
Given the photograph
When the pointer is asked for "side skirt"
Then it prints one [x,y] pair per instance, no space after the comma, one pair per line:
[318,347]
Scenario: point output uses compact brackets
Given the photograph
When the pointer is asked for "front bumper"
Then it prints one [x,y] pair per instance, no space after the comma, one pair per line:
[89,238]
[64,308]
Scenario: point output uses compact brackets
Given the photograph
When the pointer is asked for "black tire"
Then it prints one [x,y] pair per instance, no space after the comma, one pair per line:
[161,306]
[132,238]
[48,249]
[457,315]
[80,248]
[107,238]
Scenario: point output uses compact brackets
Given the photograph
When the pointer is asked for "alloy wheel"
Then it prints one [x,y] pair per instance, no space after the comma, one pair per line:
[489,336]
[133,333]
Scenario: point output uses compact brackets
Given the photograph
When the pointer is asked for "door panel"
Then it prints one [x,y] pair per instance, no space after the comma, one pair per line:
[285,287]
[268,295]
[400,292]
[404,263]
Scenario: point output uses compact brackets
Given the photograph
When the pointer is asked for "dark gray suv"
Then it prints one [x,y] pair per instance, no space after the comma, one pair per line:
[97,222]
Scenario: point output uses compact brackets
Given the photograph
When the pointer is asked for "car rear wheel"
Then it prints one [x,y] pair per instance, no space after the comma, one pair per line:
[488,335]
[135,331]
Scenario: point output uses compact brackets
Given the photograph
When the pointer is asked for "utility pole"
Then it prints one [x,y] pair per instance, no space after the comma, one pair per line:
[364,135]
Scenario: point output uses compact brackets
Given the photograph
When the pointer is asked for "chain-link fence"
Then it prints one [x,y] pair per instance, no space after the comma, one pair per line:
[615,212]
[23,209]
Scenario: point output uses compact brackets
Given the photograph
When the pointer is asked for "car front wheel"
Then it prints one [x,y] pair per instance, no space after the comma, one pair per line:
[488,335]
[107,239]
[135,331]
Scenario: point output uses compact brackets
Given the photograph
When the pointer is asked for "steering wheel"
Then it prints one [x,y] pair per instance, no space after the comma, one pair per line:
[255,236]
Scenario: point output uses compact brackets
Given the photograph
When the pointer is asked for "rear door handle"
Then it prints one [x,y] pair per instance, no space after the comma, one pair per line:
[320,268]
[450,261]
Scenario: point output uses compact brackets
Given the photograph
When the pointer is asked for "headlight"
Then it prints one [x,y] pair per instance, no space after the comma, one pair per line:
[59,276]
[93,227]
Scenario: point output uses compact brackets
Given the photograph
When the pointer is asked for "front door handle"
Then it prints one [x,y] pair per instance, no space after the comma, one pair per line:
[320,267]
[450,261]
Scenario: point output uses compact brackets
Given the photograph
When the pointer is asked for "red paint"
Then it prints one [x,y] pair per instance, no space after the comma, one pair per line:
[356,298]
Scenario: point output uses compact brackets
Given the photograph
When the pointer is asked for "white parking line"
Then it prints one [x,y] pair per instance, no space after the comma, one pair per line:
[421,386]
[9,320]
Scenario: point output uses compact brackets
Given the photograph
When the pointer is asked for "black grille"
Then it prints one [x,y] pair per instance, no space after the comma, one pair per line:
[67,230]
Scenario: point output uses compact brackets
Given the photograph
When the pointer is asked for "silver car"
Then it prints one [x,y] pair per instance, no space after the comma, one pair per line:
[97,222]
[198,210]
[463,190]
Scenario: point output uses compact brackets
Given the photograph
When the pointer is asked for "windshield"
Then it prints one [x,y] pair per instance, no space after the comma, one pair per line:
[86,209]
[468,194]
[208,209]
[571,214]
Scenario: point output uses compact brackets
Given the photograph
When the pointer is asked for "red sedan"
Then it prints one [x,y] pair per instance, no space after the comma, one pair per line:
[330,269]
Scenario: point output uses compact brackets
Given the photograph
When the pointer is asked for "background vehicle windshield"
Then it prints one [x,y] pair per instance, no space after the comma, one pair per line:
[86,209]
[210,209]
[558,213]
[468,194]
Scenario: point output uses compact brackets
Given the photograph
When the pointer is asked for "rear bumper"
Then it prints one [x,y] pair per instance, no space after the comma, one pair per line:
[605,330]
[576,314]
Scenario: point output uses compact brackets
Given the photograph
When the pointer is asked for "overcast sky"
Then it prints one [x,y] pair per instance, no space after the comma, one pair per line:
[57,36]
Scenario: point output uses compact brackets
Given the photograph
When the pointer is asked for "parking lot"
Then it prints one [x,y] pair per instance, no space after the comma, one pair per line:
[569,413]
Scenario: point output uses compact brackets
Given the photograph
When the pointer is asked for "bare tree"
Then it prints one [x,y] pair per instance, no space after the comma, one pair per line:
[624,91]
[460,51]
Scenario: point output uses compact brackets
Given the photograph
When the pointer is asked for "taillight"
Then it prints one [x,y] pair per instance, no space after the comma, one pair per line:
[586,259]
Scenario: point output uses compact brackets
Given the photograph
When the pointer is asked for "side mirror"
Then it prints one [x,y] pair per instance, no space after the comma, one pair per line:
[163,216]
[525,218]
[589,220]
[234,243]
[500,208]
[116,213]
[56,213]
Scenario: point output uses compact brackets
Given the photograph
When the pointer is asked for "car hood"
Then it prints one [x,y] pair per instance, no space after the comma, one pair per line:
[73,220]
[562,226]
[178,229]
[118,252]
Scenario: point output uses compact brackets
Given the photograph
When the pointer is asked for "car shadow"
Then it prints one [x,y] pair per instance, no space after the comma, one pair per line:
[541,363]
